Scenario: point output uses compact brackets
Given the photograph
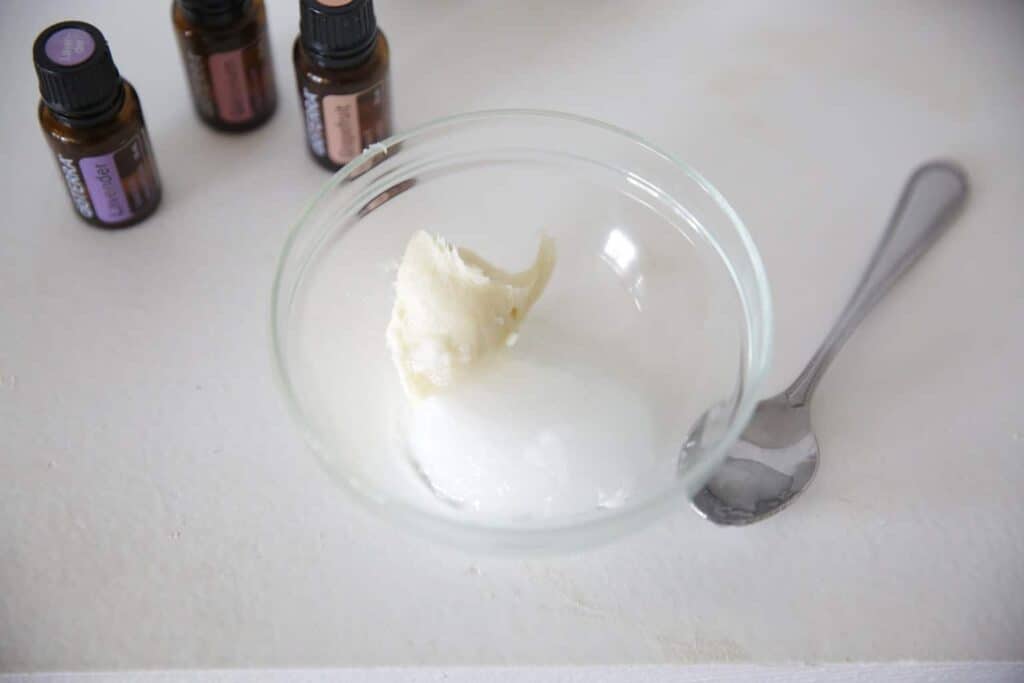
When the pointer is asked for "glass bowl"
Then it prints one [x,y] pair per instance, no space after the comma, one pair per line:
[657,318]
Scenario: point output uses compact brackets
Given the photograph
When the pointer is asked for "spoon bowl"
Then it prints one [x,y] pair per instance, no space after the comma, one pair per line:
[774,460]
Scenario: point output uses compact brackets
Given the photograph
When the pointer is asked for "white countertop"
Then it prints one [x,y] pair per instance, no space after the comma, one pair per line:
[158,509]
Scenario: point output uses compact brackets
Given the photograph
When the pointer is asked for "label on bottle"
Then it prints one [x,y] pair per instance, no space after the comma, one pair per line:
[230,89]
[314,122]
[113,187]
[76,188]
[353,121]
[234,86]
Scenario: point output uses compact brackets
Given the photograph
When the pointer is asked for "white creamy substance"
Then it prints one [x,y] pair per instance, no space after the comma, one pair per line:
[496,430]
[522,439]
[453,309]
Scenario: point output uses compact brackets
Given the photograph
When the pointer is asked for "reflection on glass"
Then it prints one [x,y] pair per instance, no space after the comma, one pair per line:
[620,252]
[386,196]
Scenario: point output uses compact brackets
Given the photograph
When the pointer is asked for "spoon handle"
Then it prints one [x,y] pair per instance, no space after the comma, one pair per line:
[931,198]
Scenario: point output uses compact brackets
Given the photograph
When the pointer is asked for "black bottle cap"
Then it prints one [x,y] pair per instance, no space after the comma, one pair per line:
[339,32]
[213,12]
[77,76]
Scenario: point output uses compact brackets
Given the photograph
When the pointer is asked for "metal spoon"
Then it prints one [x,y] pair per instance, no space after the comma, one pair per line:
[777,454]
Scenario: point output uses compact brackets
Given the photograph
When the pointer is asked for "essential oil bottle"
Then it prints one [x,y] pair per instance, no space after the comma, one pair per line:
[226,50]
[93,121]
[341,66]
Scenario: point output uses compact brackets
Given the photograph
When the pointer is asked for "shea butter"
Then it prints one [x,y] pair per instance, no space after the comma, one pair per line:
[453,309]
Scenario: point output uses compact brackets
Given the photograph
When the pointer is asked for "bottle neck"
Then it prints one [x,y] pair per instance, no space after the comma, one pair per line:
[350,60]
[213,17]
[94,118]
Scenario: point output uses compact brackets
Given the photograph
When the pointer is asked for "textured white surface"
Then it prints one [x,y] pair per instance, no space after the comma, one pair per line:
[157,509]
[897,672]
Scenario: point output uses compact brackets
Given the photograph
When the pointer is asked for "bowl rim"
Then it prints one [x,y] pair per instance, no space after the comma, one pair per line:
[573,534]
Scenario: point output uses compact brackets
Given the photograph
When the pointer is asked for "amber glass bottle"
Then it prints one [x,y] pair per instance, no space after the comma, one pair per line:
[226,50]
[341,67]
[93,122]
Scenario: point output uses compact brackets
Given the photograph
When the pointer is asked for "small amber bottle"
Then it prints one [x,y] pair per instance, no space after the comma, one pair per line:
[226,50]
[341,66]
[93,121]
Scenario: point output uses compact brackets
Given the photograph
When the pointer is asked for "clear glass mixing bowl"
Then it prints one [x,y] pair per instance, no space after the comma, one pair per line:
[658,312]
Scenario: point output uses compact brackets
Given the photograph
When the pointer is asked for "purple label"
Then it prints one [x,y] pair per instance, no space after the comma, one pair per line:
[120,184]
[70,46]
[105,189]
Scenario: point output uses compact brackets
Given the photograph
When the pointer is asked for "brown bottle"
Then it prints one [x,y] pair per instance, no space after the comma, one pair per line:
[226,50]
[93,121]
[341,67]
